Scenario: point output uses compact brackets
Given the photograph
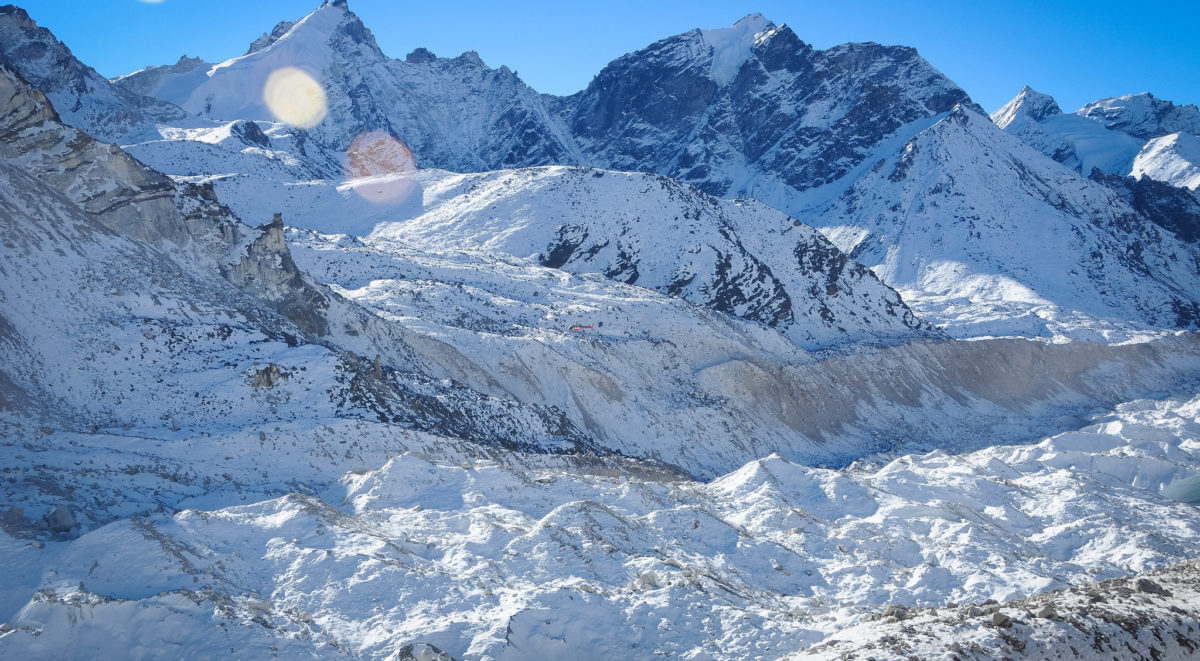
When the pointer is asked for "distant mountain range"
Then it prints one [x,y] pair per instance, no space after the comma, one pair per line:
[824,136]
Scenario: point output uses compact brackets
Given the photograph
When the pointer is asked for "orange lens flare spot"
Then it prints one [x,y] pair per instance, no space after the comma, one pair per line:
[295,97]
[377,153]
[380,166]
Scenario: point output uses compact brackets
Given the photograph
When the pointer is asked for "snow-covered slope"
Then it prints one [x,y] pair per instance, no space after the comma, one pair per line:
[131,301]
[1174,159]
[661,379]
[741,258]
[986,236]
[649,375]
[478,427]
[744,110]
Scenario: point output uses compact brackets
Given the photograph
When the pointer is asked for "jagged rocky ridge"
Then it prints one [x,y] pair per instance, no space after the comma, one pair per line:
[742,111]
[83,98]
[1143,116]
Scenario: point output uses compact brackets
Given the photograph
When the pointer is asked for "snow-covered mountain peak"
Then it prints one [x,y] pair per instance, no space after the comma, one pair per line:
[1028,103]
[1143,115]
[732,46]
[1108,135]
[330,38]
[332,25]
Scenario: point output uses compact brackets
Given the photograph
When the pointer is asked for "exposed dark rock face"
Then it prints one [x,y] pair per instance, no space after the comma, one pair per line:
[1175,209]
[452,410]
[420,56]
[271,37]
[791,114]
[249,132]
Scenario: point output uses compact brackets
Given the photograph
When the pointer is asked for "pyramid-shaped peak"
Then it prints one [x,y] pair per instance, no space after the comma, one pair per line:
[332,23]
[1027,103]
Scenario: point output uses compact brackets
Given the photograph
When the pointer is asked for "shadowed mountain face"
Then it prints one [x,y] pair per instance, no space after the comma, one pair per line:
[786,114]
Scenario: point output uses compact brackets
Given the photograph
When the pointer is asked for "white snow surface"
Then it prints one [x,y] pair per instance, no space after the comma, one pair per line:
[189,473]
[1172,159]
[233,89]
[397,538]
[1077,142]
[740,257]
[733,45]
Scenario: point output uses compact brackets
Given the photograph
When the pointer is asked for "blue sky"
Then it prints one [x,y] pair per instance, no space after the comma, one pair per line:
[1075,51]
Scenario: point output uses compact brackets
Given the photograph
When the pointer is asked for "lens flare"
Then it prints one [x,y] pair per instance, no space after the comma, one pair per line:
[381,167]
[295,97]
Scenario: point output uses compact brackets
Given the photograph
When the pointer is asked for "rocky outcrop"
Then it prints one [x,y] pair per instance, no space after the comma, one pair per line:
[1147,616]
[267,271]
[104,181]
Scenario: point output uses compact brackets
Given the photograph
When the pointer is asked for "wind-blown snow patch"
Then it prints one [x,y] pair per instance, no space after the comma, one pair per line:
[732,46]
